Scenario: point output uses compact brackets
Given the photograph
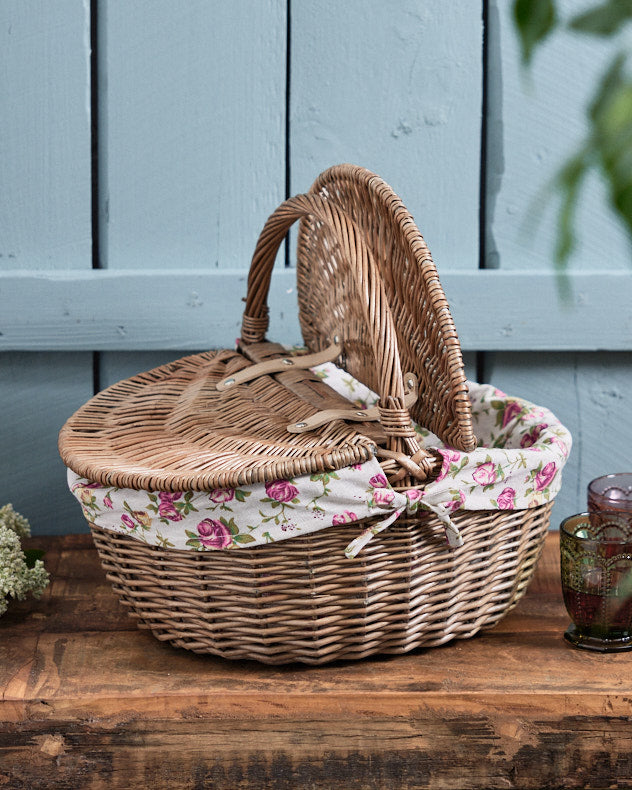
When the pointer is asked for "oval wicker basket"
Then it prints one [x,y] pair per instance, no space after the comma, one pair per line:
[367,282]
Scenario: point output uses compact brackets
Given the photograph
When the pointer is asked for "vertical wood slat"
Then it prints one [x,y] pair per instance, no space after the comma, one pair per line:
[45,223]
[396,88]
[192,139]
[192,130]
[45,214]
[38,392]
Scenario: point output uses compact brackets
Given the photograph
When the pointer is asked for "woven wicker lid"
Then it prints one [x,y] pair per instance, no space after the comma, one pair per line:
[427,340]
[178,428]
[171,429]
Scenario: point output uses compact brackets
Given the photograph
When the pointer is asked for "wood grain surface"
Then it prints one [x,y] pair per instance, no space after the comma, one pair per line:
[89,701]
[108,310]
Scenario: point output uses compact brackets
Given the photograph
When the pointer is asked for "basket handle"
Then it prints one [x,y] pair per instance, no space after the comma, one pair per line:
[394,415]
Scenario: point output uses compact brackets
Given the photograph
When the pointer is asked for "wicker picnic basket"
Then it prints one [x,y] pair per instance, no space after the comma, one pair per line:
[369,298]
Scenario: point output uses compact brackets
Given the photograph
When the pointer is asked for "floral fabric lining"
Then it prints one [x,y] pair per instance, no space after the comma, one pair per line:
[518,465]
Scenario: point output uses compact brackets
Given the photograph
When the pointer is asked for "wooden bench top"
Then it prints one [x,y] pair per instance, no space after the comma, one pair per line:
[88,700]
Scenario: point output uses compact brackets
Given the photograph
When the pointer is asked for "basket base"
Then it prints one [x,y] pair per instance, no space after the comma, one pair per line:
[302,600]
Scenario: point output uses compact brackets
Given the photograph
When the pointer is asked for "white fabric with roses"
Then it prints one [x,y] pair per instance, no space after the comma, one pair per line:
[518,465]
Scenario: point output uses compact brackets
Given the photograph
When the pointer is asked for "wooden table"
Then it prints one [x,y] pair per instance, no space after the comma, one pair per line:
[90,701]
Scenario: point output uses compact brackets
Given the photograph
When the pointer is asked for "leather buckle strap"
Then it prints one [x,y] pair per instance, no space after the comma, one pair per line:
[300,362]
[355,415]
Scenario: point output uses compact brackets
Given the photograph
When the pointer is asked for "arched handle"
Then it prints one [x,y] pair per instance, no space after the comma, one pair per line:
[394,415]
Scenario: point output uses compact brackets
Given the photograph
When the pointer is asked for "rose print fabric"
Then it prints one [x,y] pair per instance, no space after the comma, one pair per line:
[518,465]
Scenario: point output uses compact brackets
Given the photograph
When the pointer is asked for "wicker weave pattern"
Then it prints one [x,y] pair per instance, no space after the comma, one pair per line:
[170,429]
[305,602]
[426,336]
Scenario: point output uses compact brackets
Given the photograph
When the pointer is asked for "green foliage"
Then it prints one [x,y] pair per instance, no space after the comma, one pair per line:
[534,19]
[603,20]
[608,145]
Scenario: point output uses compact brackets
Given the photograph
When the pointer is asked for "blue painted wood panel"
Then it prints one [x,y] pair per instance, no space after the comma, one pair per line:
[395,87]
[195,149]
[536,119]
[38,392]
[45,225]
[109,310]
[45,134]
[192,146]
[191,130]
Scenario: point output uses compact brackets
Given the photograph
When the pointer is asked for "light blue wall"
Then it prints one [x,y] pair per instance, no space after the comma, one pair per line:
[203,116]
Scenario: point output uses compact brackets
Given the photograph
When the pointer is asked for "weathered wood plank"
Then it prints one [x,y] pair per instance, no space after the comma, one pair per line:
[38,392]
[109,310]
[192,130]
[45,213]
[514,707]
[396,88]
[476,749]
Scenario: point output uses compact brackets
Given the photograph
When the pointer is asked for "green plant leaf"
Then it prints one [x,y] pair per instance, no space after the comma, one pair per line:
[534,19]
[242,538]
[604,19]
[569,181]
[611,116]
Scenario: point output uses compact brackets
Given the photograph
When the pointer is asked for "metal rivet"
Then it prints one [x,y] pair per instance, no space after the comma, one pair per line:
[300,425]
[410,383]
[287,361]
[228,382]
[359,414]
[336,339]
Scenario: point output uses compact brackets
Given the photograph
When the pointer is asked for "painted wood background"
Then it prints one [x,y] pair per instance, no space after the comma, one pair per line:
[143,144]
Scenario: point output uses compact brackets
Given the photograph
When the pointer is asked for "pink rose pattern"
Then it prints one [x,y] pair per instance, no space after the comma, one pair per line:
[281,491]
[383,497]
[513,469]
[344,518]
[529,439]
[449,457]
[166,508]
[485,474]
[506,499]
[512,410]
[213,534]
[457,502]
[544,477]
[221,495]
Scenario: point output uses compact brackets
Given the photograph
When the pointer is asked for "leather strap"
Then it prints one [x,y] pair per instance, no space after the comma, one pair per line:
[355,415]
[277,365]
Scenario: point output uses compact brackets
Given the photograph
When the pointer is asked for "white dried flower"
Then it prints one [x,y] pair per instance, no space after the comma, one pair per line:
[16,578]
[14,521]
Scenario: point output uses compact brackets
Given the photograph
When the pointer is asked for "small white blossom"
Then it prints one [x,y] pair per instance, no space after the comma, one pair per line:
[14,521]
[16,578]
